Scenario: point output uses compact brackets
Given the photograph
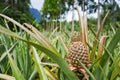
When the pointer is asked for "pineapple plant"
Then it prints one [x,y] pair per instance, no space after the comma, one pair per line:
[78,51]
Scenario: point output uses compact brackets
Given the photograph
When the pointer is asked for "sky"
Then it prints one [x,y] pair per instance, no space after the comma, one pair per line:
[37,4]
[118,1]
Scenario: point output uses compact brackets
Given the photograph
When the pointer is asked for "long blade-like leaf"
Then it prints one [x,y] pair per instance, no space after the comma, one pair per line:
[5,54]
[6,77]
[39,66]
[16,71]
[91,75]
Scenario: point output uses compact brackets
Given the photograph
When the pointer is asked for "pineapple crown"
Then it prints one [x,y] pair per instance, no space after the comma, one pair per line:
[75,36]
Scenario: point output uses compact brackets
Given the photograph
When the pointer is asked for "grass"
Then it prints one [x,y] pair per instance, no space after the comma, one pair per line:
[29,54]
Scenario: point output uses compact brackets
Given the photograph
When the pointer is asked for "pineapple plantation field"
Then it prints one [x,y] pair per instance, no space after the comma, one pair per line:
[87,49]
[32,54]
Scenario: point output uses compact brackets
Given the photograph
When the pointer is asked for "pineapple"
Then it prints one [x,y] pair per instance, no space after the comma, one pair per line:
[78,51]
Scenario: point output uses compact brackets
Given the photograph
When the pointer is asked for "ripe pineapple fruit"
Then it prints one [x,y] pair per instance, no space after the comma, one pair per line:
[77,51]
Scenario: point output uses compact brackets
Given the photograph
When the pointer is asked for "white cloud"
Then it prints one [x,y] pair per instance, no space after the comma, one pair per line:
[76,17]
[69,16]
[37,4]
[93,15]
[118,2]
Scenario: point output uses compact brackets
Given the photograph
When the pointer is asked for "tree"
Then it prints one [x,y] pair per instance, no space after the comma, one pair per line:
[52,9]
[114,11]
[16,9]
